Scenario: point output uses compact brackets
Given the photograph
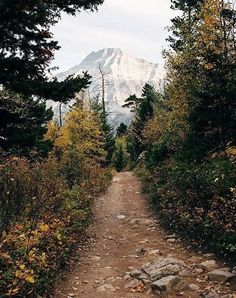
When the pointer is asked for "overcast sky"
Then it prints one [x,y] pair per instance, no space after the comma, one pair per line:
[136,26]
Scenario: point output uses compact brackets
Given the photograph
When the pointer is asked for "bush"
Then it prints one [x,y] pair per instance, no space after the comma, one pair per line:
[41,221]
[197,200]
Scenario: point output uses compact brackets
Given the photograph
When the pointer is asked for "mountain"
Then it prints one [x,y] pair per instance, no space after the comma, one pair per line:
[124,75]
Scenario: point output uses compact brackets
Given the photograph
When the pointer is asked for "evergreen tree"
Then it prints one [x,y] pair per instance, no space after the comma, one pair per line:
[27,47]
[109,139]
[23,123]
[132,102]
[144,112]
[202,68]
[121,130]
[120,155]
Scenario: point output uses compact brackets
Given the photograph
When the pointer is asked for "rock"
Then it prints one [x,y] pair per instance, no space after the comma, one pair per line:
[133,284]
[207,265]
[141,221]
[181,286]
[127,277]
[173,236]
[195,259]
[172,240]
[194,287]
[232,282]
[185,273]
[220,275]
[208,255]
[198,270]
[131,268]
[154,252]
[121,216]
[140,250]
[144,278]
[165,284]
[136,273]
[212,294]
[96,258]
[106,288]
[143,241]
[163,267]
[116,180]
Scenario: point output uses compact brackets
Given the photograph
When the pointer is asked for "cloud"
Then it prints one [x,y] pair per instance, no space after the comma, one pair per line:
[139,29]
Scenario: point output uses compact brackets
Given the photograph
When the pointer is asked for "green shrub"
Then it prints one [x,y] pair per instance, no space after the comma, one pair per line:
[197,200]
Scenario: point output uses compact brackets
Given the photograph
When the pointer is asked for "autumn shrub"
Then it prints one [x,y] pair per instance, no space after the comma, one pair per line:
[42,219]
[196,200]
[45,205]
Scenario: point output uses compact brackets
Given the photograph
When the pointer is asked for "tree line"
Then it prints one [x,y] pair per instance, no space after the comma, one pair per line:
[182,139]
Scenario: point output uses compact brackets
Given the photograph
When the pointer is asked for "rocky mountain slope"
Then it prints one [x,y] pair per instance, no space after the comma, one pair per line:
[124,75]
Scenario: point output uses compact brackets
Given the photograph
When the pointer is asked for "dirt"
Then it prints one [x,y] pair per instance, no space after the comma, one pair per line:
[120,245]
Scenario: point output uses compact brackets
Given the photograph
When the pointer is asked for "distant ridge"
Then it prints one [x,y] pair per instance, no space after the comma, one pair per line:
[124,75]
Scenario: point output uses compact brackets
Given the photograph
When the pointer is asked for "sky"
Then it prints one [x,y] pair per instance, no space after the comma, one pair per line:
[135,26]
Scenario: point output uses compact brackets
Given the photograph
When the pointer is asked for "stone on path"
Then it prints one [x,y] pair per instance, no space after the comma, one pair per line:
[121,217]
[154,252]
[166,283]
[220,275]
[141,221]
[163,267]
[106,288]
[194,287]
[212,294]
[207,265]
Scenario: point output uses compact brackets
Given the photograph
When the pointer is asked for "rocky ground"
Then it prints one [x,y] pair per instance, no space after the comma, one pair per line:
[131,256]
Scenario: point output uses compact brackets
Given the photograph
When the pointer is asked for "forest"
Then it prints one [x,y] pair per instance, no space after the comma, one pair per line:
[181,141]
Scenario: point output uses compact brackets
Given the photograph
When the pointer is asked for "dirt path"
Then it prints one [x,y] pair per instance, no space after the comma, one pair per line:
[125,238]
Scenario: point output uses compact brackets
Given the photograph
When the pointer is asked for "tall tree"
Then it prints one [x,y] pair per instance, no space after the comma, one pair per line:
[23,123]
[143,113]
[202,72]
[108,135]
[27,46]
[121,130]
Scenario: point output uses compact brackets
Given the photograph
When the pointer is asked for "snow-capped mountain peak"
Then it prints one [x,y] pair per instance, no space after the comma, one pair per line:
[124,75]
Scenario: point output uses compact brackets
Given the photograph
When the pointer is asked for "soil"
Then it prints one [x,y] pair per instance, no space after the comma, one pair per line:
[120,244]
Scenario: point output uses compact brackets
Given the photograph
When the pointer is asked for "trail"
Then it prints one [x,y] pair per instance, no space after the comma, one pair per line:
[125,237]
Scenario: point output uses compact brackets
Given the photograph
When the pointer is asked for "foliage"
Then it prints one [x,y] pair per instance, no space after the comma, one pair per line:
[120,157]
[27,47]
[144,111]
[121,130]
[45,204]
[23,124]
[132,102]
[188,144]
[108,134]
[197,200]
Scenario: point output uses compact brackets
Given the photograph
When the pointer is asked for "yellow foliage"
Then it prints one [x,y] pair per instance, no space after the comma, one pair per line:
[81,132]
[30,279]
[43,227]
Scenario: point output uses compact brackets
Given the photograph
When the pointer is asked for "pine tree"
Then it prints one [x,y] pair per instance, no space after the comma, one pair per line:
[202,73]
[27,47]
[23,123]
[108,135]
[121,130]
[144,112]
